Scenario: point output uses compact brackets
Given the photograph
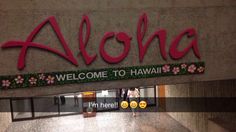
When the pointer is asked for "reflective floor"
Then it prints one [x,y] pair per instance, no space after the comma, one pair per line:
[103,122]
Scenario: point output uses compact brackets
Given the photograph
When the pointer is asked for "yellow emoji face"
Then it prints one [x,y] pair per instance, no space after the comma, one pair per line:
[133,104]
[143,104]
[124,104]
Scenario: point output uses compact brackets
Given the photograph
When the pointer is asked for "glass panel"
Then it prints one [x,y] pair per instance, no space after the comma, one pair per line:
[123,94]
[71,103]
[148,94]
[45,106]
[21,108]
[107,100]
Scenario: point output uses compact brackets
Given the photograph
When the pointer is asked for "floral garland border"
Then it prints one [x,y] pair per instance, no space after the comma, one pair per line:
[49,79]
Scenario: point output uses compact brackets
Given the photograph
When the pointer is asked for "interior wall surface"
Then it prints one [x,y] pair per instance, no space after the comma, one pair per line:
[213,20]
[198,121]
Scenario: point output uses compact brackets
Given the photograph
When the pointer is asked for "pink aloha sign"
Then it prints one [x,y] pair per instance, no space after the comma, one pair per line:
[121,37]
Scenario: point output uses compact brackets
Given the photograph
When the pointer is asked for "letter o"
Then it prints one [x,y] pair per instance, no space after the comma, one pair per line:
[121,37]
[89,75]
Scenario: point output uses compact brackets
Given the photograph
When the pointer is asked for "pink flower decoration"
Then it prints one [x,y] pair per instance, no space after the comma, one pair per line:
[41,77]
[201,69]
[33,80]
[50,79]
[183,66]
[166,68]
[19,80]
[192,68]
[6,83]
[175,70]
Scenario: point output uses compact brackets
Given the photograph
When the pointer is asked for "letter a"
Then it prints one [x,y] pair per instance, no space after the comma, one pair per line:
[28,43]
